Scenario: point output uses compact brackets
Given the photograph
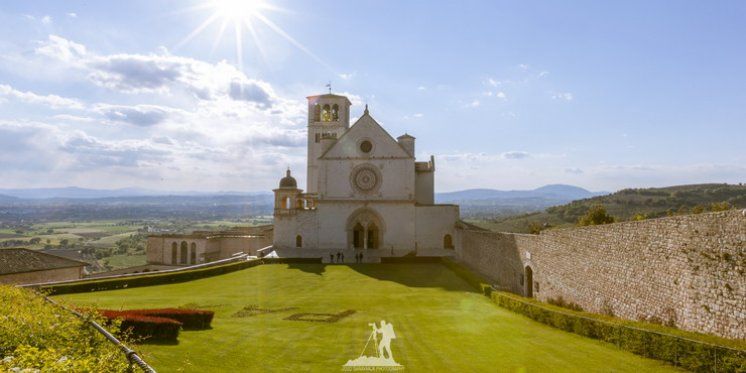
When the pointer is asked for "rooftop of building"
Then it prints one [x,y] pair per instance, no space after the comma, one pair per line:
[20,260]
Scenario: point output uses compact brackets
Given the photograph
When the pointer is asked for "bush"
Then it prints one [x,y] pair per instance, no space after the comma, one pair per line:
[166,278]
[680,351]
[596,215]
[37,335]
[189,318]
[144,328]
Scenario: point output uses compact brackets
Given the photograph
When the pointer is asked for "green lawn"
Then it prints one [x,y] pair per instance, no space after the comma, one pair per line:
[442,325]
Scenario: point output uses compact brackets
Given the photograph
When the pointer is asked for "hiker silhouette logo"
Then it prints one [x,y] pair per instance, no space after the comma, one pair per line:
[381,337]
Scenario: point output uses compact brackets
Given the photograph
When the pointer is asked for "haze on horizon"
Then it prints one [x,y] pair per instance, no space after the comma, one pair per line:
[506,95]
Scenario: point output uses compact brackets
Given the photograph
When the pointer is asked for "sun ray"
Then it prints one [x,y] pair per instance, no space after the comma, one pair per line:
[289,38]
[215,43]
[257,42]
[197,30]
[239,49]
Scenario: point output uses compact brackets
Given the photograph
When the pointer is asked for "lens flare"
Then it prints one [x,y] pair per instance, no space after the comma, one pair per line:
[244,15]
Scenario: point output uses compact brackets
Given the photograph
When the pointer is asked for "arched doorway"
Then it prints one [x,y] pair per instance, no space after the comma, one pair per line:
[447,242]
[358,233]
[298,241]
[372,236]
[184,253]
[365,229]
[529,282]
[193,254]
[174,252]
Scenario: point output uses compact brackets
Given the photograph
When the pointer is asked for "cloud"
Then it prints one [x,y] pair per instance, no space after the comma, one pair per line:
[473,104]
[139,115]
[574,171]
[46,20]
[72,15]
[347,76]
[53,101]
[565,96]
[160,73]
[59,48]
[251,91]
[174,123]
[422,88]
[516,155]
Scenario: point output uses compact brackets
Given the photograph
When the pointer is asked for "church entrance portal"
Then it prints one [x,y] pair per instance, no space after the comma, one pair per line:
[364,228]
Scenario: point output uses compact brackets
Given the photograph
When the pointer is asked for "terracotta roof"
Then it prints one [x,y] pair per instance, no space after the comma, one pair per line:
[24,260]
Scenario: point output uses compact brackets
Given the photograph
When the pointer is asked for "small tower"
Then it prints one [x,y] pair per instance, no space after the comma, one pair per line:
[287,196]
[407,142]
[328,119]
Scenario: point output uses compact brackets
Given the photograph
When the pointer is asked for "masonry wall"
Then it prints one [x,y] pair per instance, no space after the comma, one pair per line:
[689,271]
[34,277]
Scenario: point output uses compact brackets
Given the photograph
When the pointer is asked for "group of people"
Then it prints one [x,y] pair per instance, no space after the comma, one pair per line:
[341,257]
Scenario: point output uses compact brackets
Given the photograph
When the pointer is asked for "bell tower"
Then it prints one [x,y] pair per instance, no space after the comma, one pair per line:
[328,119]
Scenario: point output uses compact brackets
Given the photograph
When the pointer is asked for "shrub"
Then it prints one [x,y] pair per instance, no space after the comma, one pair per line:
[680,351]
[166,278]
[189,318]
[144,328]
[596,215]
[561,302]
[37,335]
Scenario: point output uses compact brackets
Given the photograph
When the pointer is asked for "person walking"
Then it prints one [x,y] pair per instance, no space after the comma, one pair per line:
[343,257]
[331,258]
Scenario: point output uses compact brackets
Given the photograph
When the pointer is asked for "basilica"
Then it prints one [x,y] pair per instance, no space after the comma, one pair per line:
[365,191]
[365,194]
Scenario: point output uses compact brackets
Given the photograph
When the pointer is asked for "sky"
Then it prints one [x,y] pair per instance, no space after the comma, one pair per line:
[206,96]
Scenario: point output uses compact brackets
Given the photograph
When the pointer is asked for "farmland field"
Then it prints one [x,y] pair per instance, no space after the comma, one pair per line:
[441,324]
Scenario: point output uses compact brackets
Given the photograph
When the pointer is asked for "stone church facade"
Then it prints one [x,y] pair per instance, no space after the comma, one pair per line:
[365,191]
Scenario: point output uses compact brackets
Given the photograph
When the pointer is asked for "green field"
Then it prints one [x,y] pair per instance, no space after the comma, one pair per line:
[442,325]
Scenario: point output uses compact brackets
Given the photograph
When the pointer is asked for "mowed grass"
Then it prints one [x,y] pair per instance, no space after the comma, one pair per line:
[441,323]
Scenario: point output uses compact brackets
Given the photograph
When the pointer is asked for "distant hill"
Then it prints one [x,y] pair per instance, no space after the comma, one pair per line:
[490,202]
[85,193]
[626,203]
[137,203]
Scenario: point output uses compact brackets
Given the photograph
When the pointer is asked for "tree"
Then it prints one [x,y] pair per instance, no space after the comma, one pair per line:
[34,240]
[596,215]
[64,242]
[722,206]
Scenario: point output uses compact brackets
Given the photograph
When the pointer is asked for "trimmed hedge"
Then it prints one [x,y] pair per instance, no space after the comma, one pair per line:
[410,259]
[145,328]
[691,354]
[189,318]
[687,353]
[165,278]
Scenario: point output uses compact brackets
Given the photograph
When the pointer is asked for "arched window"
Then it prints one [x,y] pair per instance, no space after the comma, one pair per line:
[298,241]
[316,113]
[447,242]
[288,205]
[326,113]
[174,252]
[529,282]
[193,254]
[335,112]
[184,253]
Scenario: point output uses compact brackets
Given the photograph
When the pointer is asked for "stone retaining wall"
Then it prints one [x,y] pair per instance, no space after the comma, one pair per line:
[687,271]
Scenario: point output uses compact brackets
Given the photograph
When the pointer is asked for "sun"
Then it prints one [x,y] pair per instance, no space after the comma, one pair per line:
[242,15]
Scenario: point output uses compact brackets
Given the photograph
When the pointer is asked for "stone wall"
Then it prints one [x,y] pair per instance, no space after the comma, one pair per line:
[49,275]
[688,271]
